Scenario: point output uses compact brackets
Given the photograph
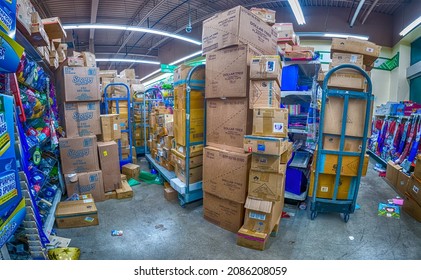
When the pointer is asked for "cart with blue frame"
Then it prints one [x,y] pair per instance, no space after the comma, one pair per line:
[344,206]
[128,127]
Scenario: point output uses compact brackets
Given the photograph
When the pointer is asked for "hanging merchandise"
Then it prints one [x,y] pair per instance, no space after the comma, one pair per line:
[10,54]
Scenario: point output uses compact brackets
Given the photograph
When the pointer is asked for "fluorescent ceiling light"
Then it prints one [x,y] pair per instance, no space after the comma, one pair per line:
[411,26]
[160,77]
[186,57]
[357,11]
[173,63]
[336,35]
[298,12]
[130,28]
[127,60]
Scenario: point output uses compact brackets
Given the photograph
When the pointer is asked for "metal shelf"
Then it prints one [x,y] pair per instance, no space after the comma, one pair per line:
[377,158]
[49,223]
[166,174]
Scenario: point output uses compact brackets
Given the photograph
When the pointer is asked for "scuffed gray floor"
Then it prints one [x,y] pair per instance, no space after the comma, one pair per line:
[157,229]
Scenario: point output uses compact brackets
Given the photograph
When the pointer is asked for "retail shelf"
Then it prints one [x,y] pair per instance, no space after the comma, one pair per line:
[296,93]
[167,175]
[180,186]
[377,158]
[390,116]
[48,225]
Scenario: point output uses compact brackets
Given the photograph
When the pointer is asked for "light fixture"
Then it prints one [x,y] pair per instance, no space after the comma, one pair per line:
[411,26]
[357,11]
[298,12]
[130,28]
[337,35]
[127,60]
[163,76]
[173,63]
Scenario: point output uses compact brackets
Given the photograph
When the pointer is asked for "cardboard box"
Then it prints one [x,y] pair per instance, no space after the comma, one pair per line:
[349,164]
[331,142]
[266,67]
[284,33]
[224,213]
[262,216]
[411,207]
[75,61]
[355,118]
[131,170]
[414,189]
[195,174]
[78,154]
[227,122]
[80,118]
[109,163]
[264,94]
[402,182]
[346,79]
[125,191]
[128,74]
[77,213]
[267,186]
[265,145]
[417,169]
[227,72]
[225,174]
[266,15]
[87,182]
[197,79]
[39,37]
[326,184]
[54,28]
[197,98]
[180,159]
[170,194]
[269,163]
[110,127]
[197,123]
[89,59]
[370,50]
[110,195]
[78,84]
[235,27]
[251,239]
[347,58]
[270,122]
[195,150]
[392,173]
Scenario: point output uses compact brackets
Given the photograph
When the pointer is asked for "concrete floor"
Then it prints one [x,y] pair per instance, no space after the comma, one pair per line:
[155,229]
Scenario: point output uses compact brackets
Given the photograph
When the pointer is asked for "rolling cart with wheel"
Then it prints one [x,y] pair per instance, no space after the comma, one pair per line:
[338,203]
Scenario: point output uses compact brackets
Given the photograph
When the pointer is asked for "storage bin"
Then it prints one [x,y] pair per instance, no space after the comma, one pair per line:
[289,78]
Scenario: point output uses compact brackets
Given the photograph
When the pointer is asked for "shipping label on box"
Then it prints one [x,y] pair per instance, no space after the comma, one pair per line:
[261,215]
[225,174]
[264,94]
[81,118]
[270,122]
[265,145]
[86,183]
[227,72]
[224,213]
[78,84]
[78,154]
[237,26]
[266,185]
[266,67]
[109,163]
[227,122]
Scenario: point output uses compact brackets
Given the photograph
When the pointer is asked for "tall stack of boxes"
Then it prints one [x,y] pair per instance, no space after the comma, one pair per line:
[228,114]
[362,54]
[270,152]
[196,117]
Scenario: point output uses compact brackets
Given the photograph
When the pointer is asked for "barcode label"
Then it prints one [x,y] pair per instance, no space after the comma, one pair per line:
[257,216]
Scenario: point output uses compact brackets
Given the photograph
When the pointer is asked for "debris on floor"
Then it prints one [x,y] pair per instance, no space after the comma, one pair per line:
[70,253]
[116,233]
[58,242]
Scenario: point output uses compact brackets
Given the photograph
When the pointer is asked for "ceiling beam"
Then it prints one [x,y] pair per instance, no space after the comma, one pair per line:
[369,11]
[94,12]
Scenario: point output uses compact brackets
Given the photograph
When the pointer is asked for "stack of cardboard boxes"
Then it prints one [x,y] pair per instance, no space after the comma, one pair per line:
[270,153]
[196,132]
[161,124]
[362,54]
[228,115]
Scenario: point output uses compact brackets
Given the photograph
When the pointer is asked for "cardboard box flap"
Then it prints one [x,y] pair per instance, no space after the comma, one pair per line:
[86,206]
[260,235]
[258,205]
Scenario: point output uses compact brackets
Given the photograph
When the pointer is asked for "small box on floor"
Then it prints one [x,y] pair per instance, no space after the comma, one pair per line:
[77,213]
[251,239]
[131,170]
[125,191]
[170,194]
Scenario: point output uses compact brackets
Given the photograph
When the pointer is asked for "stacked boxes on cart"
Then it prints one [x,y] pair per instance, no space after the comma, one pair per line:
[361,54]
[242,98]
[196,132]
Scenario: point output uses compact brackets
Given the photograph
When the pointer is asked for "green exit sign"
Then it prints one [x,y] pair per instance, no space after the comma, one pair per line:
[165,68]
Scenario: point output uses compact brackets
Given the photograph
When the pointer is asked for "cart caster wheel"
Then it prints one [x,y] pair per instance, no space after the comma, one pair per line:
[346,218]
[313,215]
